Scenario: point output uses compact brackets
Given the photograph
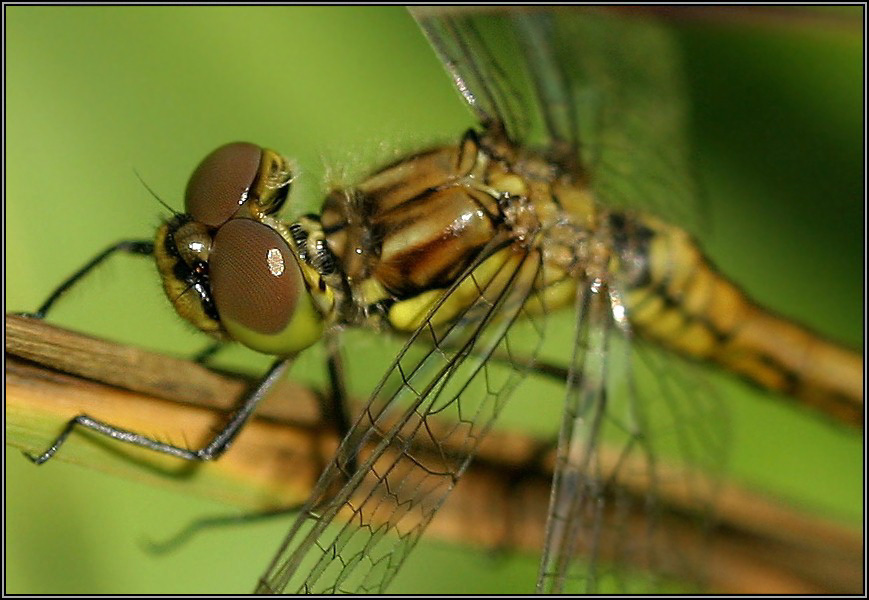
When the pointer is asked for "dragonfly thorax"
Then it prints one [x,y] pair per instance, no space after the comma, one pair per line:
[399,240]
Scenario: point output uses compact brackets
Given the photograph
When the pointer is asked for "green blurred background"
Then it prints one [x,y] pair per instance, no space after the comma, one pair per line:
[93,93]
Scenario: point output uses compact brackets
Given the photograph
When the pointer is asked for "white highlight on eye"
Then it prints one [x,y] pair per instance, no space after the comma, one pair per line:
[275,260]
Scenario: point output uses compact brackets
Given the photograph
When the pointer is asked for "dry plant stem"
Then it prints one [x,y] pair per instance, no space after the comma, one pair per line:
[52,375]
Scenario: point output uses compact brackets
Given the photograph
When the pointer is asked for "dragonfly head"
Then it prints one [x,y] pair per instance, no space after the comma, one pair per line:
[227,266]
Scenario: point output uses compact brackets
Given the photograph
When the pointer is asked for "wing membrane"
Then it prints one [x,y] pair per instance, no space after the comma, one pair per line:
[607,83]
[475,72]
[631,104]
[410,445]
[423,422]
[618,78]
[576,492]
[637,427]
[553,93]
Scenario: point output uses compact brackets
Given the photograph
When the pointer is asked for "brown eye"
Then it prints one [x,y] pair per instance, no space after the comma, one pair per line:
[254,276]
[221,182]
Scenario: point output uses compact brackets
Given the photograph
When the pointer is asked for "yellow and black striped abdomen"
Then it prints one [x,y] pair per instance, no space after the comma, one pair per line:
[676,298]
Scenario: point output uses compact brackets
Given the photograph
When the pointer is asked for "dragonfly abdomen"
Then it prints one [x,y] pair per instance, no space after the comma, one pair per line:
[676,298]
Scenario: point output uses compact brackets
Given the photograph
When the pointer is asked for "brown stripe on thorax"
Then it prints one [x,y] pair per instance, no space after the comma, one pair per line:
[417,224]
[428,242]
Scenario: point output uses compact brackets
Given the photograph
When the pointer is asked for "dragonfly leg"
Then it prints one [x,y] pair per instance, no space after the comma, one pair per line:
[142,247]
[204,355]
[207,523]
[210,451]
[335,410]
[334,407]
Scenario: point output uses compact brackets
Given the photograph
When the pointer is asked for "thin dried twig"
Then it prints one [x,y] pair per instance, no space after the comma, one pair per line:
[53,375]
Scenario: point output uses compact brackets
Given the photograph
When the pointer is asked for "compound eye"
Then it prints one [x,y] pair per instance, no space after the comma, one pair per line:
[254,278]
[221,183]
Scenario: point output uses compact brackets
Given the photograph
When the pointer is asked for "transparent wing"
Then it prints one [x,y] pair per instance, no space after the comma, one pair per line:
[640,431]
[577,496]
[481,81]
[603,96]
[600,91]
[422,424]
[631,104]
[414,439]
[504,68]
[639,458]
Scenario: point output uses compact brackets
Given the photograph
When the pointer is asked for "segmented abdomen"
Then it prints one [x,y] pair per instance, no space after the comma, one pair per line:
[676,298]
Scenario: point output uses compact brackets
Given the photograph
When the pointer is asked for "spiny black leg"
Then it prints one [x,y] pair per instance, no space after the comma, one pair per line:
[212,450]
[206,353]
[223,439]
[143,247]
[336,411]
[335,407]
[186,534]
[112,432]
